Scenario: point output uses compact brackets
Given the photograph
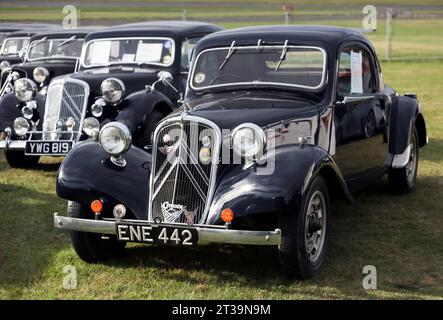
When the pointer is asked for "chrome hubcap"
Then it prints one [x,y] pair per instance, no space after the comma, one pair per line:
[412,164]
[315,225]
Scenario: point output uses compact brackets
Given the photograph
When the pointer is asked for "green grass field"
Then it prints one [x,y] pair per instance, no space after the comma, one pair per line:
[400,235]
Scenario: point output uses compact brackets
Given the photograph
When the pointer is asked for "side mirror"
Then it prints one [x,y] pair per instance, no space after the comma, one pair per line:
[22,53]
[165,77]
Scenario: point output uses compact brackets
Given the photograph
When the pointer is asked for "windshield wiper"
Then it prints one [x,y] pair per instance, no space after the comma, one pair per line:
[228,56]
[32,45]
[66,41]
[283,55]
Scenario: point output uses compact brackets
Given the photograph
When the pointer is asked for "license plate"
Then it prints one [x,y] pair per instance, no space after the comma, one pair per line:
[48,147]
[157,234]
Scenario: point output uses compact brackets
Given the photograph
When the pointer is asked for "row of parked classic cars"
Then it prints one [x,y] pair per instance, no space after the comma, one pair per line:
[182,133]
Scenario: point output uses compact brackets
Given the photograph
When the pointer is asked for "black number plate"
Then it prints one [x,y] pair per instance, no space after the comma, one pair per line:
[158,234]
[48,147]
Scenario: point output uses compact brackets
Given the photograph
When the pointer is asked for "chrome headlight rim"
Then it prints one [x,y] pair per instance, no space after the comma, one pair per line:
[30,92]
[118,97]
[40,74]
[90,126]
[24,126]
[126,134]
[259,134]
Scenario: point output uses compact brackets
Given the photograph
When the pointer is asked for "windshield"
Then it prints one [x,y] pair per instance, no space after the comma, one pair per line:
[13,45]
[301,67]
[2,37]
[155,51]
[55,48]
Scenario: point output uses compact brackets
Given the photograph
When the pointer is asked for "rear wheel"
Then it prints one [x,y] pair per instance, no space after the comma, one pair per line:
[305,233]
[402,180]
[18,159]
[90,247]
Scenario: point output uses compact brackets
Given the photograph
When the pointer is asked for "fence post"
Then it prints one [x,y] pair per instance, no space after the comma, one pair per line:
[388,34]
[184,15]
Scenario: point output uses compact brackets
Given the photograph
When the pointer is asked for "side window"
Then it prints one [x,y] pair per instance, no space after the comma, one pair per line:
[355,73]
[187,47]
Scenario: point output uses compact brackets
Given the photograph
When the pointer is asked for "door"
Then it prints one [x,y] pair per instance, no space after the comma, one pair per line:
[359,115]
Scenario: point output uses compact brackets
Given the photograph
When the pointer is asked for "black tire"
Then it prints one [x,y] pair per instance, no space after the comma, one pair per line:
[90,247]
[402,180]
[17,159]
[148,128]
[295,260]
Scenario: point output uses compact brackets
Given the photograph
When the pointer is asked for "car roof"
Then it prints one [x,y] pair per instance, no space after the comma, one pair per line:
[324,36]
[57,34]
[29,30]
[172,29]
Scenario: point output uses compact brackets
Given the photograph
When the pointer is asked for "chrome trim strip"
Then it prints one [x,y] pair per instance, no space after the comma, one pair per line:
[13,145]
[205,234]
[217,142]
[322,83]
[85,47]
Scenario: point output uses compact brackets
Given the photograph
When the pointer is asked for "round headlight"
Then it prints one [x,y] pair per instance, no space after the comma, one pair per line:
[115,138]
[248,140]
[112,90]
[24,89]
[40,74]
[21,126]
[91,125]
[4,64]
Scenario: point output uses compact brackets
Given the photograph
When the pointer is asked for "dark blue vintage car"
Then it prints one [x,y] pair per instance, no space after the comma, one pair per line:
[113,82]
[277,122]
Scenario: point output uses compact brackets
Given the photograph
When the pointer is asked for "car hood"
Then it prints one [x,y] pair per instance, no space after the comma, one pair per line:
[135,79]
[262,109]
[55,67]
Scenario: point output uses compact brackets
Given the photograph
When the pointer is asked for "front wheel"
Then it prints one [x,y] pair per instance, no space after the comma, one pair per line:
[148,128]
[305,233]
[402,180]
[18,159]
[91,247]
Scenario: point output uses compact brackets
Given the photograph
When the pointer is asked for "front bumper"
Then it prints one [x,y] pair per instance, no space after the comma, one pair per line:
[13,145]
[206,234]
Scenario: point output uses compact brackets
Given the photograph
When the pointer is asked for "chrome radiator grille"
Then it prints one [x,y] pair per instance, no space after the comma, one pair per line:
[181,185]
[65,98]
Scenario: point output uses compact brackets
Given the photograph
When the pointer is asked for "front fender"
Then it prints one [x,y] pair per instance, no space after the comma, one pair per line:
[10,108]
[137,107]
[87,174]
[248,192]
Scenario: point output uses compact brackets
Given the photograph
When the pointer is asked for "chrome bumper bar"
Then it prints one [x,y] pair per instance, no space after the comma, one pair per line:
[13,145]
[205,234]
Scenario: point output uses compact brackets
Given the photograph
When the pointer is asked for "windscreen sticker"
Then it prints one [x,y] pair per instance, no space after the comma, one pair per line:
[356,72]
[100,52]
[199,77]
[126,58]
[149,52]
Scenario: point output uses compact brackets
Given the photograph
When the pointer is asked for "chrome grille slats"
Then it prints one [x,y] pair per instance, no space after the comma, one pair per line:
[65,98]
[178,177]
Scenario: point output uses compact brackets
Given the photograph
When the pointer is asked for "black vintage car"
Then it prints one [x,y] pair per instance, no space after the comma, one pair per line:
[51,53]
[113,83]
[260,147]
[6,28]
[14,43]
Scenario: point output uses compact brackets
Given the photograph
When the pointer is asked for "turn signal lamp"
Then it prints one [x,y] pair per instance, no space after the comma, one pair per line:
[96,206]
[227,215]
